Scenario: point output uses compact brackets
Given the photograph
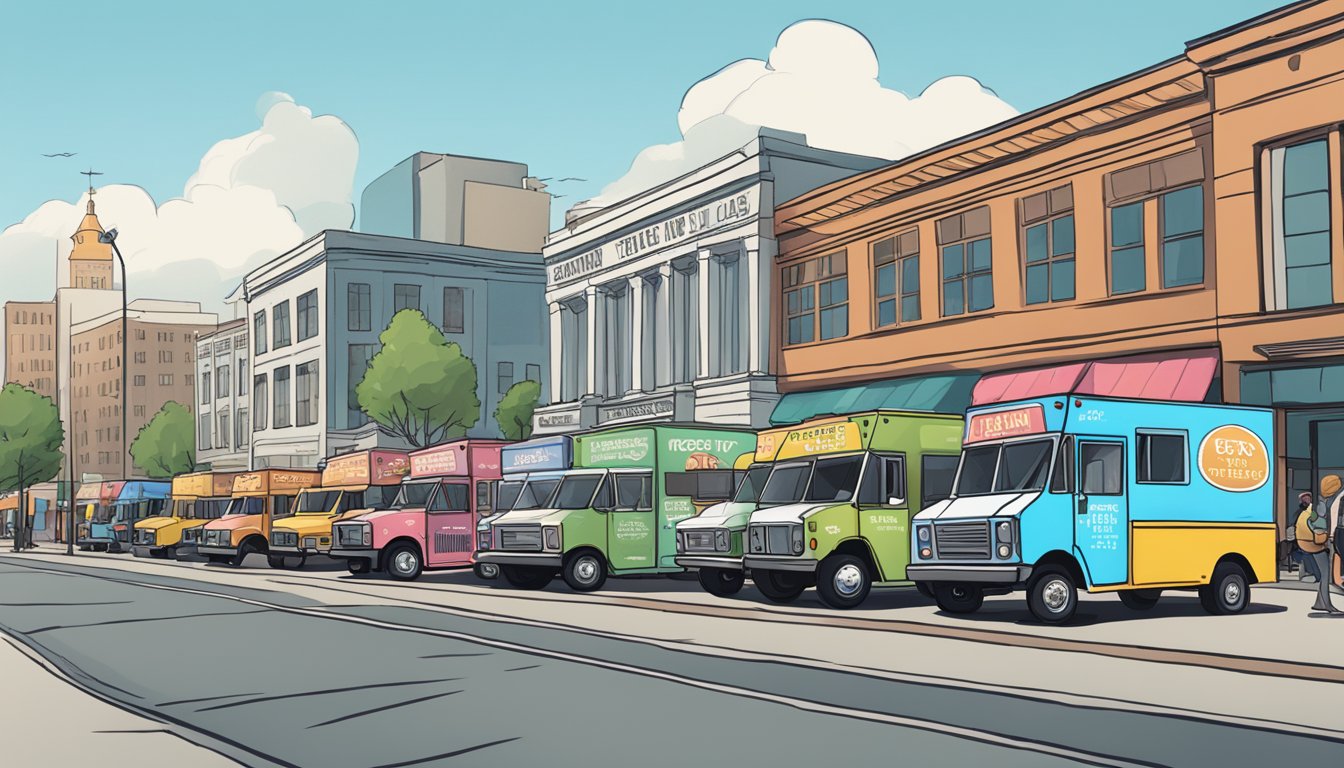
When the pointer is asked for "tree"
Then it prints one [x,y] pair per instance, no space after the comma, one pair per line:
[514,414]
[166,446]
[419,386]
[30,447]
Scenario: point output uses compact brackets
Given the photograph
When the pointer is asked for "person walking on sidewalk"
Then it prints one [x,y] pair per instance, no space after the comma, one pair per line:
[1310,542]
[1319,523]
[1336,535]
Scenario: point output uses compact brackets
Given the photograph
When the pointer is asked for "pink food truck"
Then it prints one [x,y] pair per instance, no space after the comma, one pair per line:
[432,523]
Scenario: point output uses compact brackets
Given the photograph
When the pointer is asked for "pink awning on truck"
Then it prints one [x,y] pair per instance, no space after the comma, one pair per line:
[1184,376]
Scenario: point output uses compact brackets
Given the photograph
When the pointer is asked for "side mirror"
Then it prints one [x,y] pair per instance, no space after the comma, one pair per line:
[895,501]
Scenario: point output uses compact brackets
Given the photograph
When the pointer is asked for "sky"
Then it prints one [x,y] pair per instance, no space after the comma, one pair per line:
[144,91]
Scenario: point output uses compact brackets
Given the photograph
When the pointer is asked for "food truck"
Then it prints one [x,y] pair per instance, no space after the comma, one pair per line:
[96,500]
[835,511]
[110,528]
[431,524]
[529,471]
[351,485]
[611,514]
[1112,495]
[257,500]
[196,498]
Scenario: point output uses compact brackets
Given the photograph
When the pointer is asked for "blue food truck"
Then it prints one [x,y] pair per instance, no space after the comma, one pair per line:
[109,529]
[531,472]
[1126,496]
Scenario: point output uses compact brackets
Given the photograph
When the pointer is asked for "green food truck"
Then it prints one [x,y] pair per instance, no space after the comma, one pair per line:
[612,513]
[835,511]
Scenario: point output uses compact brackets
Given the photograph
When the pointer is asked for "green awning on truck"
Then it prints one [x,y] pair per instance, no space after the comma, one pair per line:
[946,393]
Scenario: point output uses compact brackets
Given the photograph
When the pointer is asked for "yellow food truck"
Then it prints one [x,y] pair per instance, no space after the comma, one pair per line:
[259,499]
[196,499]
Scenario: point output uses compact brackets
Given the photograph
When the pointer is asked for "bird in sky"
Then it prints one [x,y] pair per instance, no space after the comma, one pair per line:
[61,154]
[573,178]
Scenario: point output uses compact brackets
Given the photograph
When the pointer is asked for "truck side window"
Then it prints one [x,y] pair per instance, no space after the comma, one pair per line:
[604,499]
[452,497]
[893,480]
[483,488]
[1062,482]
[280,506]
[870,485]
[1103,467]
[634,491]
[937,474]
[1162,457]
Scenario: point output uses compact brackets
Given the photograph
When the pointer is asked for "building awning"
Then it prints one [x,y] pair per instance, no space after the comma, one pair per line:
[9,502]
[948,393]
[1184,376]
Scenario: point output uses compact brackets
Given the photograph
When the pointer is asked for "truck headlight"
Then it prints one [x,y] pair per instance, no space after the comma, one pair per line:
[483,540]
[1005,551]
[922,533]
[551,536]
[721,540]
[797,539]
[1004,532]
[754,537]
[368,535]
[681,542]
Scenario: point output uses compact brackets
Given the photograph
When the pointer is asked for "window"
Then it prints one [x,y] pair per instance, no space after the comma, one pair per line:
[165,379]
[258,334]
[139,381]
[205,388]
[1299,223]
[242,376]
[241,429]
[359,307]
[281,417]
[505,375]
[1047,222]
[405,297]
[259,401]
[357,360]
[1128,269]
[223,430]
[533,372]
[1103,466]
[634,491]
[967,262]
[1183,237]
[452,497]
[223,383]
[937,474]
[139,411]
[896,279]
[454,310]
[307,311]
[306,405]
[1162,457]
[280,325]
[883,481]
[165,355]
[203,433]
[1062,480]
[140,357]
[820,283]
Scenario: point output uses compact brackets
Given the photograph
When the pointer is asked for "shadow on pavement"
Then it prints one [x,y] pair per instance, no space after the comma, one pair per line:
[1092,612]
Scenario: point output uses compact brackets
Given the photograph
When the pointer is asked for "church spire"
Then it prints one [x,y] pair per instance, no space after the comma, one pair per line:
[90,260]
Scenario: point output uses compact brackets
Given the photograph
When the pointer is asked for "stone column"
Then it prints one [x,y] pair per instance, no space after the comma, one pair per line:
[662,354]
[593,373]
[557,346]
[758,308]
[704,262]
[637,340]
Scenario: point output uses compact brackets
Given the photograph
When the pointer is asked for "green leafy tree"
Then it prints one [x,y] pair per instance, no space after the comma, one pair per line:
[419,386]
[30,447]
[166,446]
[514,414]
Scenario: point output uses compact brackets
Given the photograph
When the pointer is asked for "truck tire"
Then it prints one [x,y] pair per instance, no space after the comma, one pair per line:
[244,550]
[402,562]
[923,588]
[281,562]
[584,571]
[778,586]
[358,566]
[721,582]
[1139,599]
[843,581]
[527,576]
[1052,595]
[958,598]
[1228,592]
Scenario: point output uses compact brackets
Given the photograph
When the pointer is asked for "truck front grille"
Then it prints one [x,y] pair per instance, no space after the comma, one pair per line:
[520,538]
[962,541]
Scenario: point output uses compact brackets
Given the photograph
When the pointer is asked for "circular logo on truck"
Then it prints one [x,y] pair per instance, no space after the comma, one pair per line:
[701,460]
[1233,458]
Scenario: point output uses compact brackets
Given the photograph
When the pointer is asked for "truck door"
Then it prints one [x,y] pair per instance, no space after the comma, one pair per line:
[632,531]
[451,529]
[1101,510]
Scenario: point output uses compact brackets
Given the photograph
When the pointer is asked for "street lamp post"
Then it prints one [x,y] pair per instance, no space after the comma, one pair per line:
[110,238]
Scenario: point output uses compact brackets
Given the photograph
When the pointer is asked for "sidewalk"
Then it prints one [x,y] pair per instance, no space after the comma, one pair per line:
[62,725]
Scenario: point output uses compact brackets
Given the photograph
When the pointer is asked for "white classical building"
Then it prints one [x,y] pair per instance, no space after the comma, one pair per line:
[660,304]
[223,389]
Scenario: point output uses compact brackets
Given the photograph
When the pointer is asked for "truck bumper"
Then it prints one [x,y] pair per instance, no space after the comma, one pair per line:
[709,561]
[92,542]
[769,563]
[982,574]
[540,559]
[145,550]
[355,554]
[185,550]
[305,551]
[217,551]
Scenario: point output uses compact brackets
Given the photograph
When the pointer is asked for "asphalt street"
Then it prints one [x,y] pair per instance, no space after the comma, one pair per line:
[271,677]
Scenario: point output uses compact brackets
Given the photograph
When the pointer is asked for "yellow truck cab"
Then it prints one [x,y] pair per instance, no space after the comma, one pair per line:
[259,499]
[195,499]
[351,485]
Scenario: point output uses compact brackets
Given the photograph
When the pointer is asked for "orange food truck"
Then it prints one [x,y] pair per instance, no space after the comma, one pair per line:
[352,484]
[259,499]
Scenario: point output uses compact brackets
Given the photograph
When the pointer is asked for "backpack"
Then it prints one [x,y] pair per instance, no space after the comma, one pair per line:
[1309,540]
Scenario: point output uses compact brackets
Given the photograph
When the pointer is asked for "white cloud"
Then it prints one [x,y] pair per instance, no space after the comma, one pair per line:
[252,197]
[821,81]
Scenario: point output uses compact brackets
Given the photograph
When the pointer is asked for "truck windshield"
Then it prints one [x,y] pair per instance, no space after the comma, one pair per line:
[414,494]
[104,513]
[818,480]
[248,505]
[210,509]
[1004,468]
[753,480]
[381,496]
[576,491]
[316,502]
[536,493]
[507,495]
[183,508]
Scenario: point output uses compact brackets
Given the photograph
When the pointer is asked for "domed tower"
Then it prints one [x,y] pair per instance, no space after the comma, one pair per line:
[90,260]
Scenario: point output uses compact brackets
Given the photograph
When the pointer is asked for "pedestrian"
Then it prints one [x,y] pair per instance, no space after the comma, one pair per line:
[1319,522]
[1309,542]
[1337,533]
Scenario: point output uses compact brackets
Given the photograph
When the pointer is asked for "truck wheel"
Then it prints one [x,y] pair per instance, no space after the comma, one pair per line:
[585,571]
[217,559]
[958,598]
[777,586]
[402,562]
[843,581]
[1228,592]
[357,566]
[923,588]
[1139,599]
[486,571]
[721,582]
[1052,595]
[246,549]
[527,576]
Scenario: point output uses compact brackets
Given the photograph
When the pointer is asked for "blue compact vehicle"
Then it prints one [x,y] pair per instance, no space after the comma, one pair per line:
[110,527]
[531,471]
[1126,496]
